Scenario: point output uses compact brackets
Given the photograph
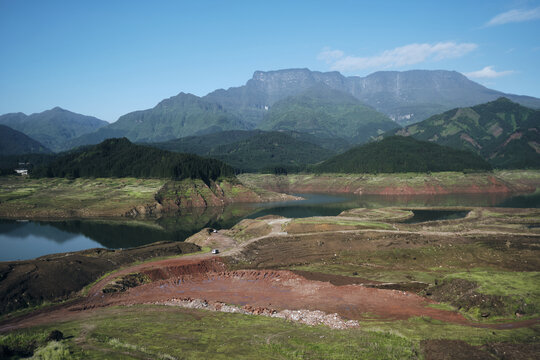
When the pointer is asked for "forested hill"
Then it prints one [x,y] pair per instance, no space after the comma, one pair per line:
[14,142]
[402,154]
[503,132]
[120,158]
[255,150]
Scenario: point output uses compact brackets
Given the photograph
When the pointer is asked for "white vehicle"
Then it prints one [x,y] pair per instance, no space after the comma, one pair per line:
[215,251]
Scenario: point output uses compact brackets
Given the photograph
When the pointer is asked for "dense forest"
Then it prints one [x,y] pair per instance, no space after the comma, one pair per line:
[8,163]
[256,150]
[402,154]
[120,158]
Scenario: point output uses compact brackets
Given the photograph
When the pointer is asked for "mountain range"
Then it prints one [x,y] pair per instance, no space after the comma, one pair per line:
[406,97]
[501,131]
[337,111]
[284,99]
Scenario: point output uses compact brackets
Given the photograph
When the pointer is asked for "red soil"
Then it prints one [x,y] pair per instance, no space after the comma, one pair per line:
[205,277]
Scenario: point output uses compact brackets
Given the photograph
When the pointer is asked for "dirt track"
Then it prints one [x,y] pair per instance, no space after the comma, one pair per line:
[205,276]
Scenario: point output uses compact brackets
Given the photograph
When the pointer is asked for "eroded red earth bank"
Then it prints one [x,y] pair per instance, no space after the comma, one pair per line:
[206,277]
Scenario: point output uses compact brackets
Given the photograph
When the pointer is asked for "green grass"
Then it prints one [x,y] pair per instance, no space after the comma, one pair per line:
[65,197]
[424,328]
[506,283]
[173,333]
[161,332]
[342,222]
[520,290]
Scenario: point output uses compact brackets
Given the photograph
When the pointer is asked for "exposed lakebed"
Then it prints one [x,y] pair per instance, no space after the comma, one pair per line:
[29,239]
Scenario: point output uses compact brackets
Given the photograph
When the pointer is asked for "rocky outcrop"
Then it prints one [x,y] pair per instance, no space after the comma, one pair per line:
[176,195]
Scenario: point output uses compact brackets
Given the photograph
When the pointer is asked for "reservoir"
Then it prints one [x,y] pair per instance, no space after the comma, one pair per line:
[20,240]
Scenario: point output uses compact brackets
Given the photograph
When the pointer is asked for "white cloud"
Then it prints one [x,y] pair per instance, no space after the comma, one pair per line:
[401,56]
[514,16]
[328,55]
[487,73]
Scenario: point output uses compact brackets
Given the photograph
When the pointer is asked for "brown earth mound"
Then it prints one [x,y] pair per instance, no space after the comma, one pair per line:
[274,289]
[460,350]
[463,295]
[59,276]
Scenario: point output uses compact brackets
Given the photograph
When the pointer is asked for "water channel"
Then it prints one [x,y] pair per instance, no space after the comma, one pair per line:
[20,240]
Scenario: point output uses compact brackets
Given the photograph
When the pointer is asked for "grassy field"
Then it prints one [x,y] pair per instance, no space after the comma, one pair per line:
[58,197]
[131,333]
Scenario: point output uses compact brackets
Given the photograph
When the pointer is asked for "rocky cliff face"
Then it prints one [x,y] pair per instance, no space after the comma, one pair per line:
[188,194]
[406,97]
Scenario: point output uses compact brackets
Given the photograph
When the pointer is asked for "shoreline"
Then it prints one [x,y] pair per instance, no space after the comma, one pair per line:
[122,198]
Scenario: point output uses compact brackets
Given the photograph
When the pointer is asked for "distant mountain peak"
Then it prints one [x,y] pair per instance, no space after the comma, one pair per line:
[53,128]
[404,96]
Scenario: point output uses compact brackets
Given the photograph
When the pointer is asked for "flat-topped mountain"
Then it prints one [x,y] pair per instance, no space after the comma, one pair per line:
[503,132]
[406,97]
[52,128]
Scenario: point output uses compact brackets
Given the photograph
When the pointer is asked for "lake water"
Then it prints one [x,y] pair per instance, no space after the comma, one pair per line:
[21,240]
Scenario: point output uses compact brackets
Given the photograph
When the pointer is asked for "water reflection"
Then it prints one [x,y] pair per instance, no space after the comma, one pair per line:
[24,240]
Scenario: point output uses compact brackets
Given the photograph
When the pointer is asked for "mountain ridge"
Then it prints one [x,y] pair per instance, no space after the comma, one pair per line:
[503,132]
[53,127]
[13,142]
[267,87]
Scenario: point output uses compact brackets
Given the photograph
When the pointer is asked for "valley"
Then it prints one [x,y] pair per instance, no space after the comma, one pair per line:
[184,180]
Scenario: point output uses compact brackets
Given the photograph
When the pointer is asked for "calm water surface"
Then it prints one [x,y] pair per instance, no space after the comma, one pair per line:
[21,240]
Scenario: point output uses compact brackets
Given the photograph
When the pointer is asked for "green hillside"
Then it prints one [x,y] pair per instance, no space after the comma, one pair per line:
[204,144]
[502,132]
[402,154]
[253,150]
[53,128]
[14,142]
[325,112]
[179,116]
[121,158]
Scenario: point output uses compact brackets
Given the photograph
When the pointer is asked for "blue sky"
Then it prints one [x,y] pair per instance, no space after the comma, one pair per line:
[107,58]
